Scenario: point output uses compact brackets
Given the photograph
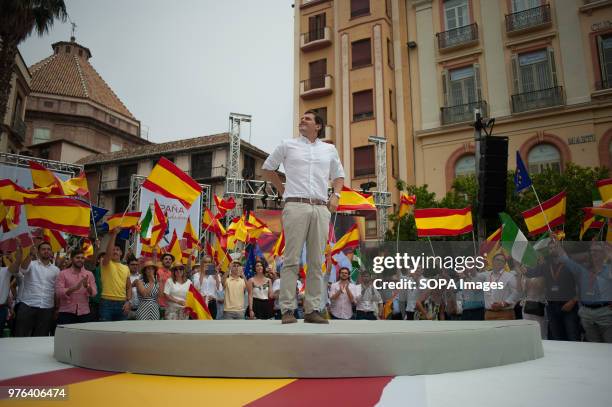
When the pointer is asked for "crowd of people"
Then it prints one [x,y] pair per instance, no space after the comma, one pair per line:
[569,300]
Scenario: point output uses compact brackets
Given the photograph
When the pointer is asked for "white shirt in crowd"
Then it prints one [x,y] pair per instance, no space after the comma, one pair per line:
[207,285]
[412,296]
[276,289]
[39,284]
[308,167]
[134,301]
[176,290]
[368,301]
[5,282]
[509,294]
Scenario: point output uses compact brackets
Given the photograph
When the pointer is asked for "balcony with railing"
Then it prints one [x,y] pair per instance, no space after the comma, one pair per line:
[458,37]
[115,184]
[316,87]
[209,173]
[315,39]
[527,20]
[463,113]
[19,128]
[538,99]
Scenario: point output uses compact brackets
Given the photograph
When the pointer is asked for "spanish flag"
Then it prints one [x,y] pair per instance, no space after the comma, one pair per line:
[604,210]
[406,203]
[605,189]
[13,194]
[212,223]
[348,241]
[279,246]
[42,178]
[55,239]
[443,221]
[224,205]
[76,186]
[589,221]
[190,236]
[88,249]
[174,248]
[256,227]
[170,181]
[10,216]
[554,213]
[124,221]
[195,304]
[63,214]
[491,243]
[160,224]
[146,250]
[351,200]
[237,231]
[210,251]
[221,257]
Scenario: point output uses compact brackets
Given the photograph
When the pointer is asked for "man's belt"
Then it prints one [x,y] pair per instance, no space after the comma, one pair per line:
[595,305]
[311,201]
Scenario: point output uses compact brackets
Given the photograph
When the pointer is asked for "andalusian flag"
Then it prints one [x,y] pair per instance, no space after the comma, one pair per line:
[126,220]
[146,225]
[13,194]
[443,222]
[64,214]
[195,304]
[515,242]
[348,241]
[351,200]
[605,189]
[55,239]
[407,202]
[356,265]
[224,205]
[552,210]
[279,247]
[190,236]
[170,181]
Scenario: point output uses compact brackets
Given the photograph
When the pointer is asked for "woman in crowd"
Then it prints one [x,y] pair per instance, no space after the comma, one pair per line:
[148,292]
[534,304]
[259,288]
[175,292]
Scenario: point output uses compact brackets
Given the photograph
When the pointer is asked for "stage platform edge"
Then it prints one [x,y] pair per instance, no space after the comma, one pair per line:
[267,349]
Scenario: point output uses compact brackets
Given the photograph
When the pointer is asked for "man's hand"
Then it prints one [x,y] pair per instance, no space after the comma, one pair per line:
[568,306]
[332,204]
[251,314]
[126,307]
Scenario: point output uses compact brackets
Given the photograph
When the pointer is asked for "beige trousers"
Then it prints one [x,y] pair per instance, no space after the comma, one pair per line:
[303,223]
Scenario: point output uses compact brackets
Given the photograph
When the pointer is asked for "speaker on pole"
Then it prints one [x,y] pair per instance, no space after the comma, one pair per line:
[492,176]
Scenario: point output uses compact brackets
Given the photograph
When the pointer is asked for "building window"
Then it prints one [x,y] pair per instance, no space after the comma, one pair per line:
[361,52]
[604,46]
[124,175]
[316,27]
[67,49]
[322,113]
[48,103]
[364,161]
[390,54]
[116,147]
[394,161]
[41,135]
[248,171]
[371,229]
[456,14]
[522,5]
[392,115]
[360,8]
[536,71]
[465,166]
[201,165]
[317,71]
[18,109]
[112,120]
[543,157]
[121,203]
[363,106]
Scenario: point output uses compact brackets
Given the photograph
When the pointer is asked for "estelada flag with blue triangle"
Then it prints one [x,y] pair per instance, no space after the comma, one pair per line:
[522,180]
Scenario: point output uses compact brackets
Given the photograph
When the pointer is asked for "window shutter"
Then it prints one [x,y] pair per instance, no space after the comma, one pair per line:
[516,80]
[553,68]
[477,82]
[445,86]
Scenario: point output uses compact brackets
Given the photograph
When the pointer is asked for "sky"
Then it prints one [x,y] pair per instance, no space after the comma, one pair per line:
[182,67]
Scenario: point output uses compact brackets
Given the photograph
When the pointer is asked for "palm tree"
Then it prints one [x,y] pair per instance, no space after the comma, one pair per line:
[18,18]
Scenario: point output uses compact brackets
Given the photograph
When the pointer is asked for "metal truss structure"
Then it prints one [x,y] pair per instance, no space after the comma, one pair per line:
[17,160]
[382,198]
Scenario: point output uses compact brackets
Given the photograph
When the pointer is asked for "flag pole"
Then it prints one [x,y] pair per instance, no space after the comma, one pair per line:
[474,241]
[399,220]
[431,245]
[93,220]
[541,209]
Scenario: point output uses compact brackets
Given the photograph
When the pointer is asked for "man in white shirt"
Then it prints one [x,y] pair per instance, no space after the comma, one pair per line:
[369,303]
[208,284]
[343,295]
[499,303]
[309,165]
[35,316]
[5,287]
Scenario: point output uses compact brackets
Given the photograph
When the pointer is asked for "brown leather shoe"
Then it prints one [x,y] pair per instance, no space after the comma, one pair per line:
[288,318]
[315,318]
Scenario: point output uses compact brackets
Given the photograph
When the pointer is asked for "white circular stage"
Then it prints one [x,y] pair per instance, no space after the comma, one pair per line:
[267,349]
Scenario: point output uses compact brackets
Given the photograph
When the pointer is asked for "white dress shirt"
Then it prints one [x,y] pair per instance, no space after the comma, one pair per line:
[508,294]
[206,285]
[308,167]
[39,284]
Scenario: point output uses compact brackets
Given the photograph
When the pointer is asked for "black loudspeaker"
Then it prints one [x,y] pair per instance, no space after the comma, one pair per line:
[492,176]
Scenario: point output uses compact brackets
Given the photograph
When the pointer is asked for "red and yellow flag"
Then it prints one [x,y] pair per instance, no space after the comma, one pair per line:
[88,249]
[10,216]
[190,236]
[12,194]
[256,227]
[221,257]
[348,241]
[174,248]
[491,242]
[170,181]
[351,200]
[443,221]
[55,239]
[124,221]
[407,202]
[224,205]
[279,246]
[605,189]
[43,178]
[195,304]
[76,186]
[63,214]
[210,250]
[554,213]
[160,224]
